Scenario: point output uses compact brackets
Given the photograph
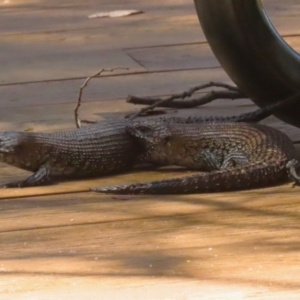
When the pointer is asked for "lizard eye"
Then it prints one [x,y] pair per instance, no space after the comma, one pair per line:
[166,140]
[144,129]
[140,131]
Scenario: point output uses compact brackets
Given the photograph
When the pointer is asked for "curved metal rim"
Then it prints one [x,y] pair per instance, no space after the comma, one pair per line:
[252,52]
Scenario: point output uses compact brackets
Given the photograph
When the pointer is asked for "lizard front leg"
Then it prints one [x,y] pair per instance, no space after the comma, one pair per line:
[39,178]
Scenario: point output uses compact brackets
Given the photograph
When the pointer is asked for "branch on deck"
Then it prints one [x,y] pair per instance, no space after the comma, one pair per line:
[232,93]
[98,74]
[209,97]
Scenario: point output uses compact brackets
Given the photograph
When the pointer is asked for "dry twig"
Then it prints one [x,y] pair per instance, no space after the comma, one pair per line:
[231,93]
[77,121]
[207,98]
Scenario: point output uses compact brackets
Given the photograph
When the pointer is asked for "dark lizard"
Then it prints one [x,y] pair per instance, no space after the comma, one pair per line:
[95,150]
[99,149]
[234,155]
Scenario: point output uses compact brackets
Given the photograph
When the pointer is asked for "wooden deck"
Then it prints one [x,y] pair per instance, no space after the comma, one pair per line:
[61,242]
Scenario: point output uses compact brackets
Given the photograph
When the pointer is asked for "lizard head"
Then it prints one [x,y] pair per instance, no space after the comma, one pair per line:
[150,133]
[10,145]
[17,149]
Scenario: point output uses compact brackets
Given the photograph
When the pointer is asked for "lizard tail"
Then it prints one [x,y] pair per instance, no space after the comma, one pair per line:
[246,177]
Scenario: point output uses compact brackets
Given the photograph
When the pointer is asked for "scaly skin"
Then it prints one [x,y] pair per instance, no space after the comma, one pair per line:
[235,156]
[96,150]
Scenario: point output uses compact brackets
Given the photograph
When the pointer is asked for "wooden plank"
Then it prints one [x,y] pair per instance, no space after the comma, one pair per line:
[236,246]
[62,40]
[146,288]
[38,212]
[283,15]
[55,16]
[65,61]
[105,88]
[193,56]
[184,56]
[66,16]
[82,61]
[76,186]
[294,42]
[61,116]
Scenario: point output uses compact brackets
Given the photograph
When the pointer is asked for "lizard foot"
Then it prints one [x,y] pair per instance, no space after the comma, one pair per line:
[24,184]
[291,166]
[39,178]
[16,184]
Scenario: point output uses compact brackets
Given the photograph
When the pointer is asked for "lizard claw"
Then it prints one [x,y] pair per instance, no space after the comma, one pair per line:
[291,166]
[17,184]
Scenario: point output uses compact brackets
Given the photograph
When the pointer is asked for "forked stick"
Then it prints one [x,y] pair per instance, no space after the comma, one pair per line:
[78,121]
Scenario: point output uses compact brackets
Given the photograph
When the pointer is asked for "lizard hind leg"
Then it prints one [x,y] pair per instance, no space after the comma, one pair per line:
[235,159]
[212,162]
[39,178]
[207,160]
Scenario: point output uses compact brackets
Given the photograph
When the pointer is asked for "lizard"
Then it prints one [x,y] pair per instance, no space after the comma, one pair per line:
[95,150]
[231,156]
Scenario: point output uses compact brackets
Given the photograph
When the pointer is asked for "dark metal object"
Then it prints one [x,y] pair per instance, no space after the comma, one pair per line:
[235,155]
[252,52]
